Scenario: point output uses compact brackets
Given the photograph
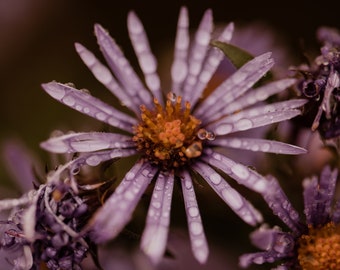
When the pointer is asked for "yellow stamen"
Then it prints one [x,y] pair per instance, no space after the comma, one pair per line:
[320,248]
[168,136]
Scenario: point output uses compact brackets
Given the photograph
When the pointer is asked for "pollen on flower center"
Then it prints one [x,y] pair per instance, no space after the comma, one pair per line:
[320,248]
[168,136]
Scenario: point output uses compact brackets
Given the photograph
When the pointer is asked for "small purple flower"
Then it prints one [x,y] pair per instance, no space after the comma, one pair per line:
[320,83]
[312,243]
[175,137]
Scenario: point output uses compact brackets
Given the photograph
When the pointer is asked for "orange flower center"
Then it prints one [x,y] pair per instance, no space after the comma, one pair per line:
[320,248]
[168,136]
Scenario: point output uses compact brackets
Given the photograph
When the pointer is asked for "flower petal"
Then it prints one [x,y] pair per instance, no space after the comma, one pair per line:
[104,76]
[146,59]
[199,245]
[117,211]
[122,69]
[262,145]
[242,174]
[210,65]
[86,142]
[276,244]
[90,159]
[257,117]
[87,104]
[233,87]
[231,197]
[197,54]
[256,95]
[155,234]
[281,206]
[318,196]
[179,68]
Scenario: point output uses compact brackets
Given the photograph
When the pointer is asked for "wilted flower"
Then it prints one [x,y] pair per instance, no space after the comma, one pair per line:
[320,83]
[175,138]
[312,243]
[44,225]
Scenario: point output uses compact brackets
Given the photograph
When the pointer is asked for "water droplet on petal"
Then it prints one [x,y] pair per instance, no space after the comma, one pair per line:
[193,211]
[210,136]
[215,178]
[244,124]
[240,171]
[69,100]
[233,198]
[93,160]
[201,134]
[196,228]
[171,96]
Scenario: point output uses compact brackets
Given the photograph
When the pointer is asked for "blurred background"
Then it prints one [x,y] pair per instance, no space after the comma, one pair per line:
[37,45]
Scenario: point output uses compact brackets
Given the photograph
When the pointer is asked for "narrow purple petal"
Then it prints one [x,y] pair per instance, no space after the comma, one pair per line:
[198,52]
[146,59]
[236,85]
[87,104]
[90,159]
[122,69]
[231,197]
[104,76]
[318,196]
[257,95]
[155,234]
[179,69]
[199,245]
[118,209]
[242,174]
[261,145]
[257,117]
[87,142]
[210,65]
[281,206]
[276,244]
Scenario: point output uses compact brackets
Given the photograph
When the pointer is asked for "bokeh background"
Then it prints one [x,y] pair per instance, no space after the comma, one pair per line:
[37,45]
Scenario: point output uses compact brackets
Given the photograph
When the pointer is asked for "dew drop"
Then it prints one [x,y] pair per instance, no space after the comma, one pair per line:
[265,147]
[188,184]
[129,176]
[69,100]
[129,195]
[215,178]
[202,133]
[196,228]
[233,199]
[171,96]
[93,160]
[156,205]
[240,171]
[210,136]
[224,129]
[193,211]
[101,116]
[243,124]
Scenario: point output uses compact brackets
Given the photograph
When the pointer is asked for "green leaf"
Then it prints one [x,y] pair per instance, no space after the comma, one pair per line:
[236,55]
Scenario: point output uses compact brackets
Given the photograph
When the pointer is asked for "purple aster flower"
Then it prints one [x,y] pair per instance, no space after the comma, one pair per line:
[312,243]
[320,83]
[175,137]
[44,226]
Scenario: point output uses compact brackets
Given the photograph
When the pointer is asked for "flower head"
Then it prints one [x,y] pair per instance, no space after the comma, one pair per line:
[44,226]
[320,83]
[174,137]
[312,243]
